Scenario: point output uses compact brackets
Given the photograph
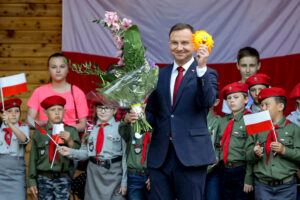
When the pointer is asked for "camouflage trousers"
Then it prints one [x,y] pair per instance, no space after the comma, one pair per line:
[53,189]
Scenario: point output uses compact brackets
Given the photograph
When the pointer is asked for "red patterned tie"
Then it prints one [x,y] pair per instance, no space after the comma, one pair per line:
[271,138]
[145,143]
[8,135]
[177,82]
[100,139]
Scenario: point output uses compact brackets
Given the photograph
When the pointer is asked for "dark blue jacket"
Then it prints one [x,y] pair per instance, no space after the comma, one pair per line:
[186,121]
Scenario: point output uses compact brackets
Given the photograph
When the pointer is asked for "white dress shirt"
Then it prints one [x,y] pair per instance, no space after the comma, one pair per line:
[200,73]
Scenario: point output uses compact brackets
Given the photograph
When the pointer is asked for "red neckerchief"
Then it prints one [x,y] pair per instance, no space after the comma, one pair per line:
[100,139]
[271,138]
[226,137]
[145,143]
[8,134]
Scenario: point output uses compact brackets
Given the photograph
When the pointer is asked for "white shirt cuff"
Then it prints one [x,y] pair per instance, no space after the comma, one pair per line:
[201,71]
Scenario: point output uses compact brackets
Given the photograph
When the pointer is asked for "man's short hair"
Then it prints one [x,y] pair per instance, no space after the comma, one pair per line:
[181,26]
[248,51]
[281,99]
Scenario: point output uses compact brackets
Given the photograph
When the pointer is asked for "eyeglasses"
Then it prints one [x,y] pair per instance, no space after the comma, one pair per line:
[104,109]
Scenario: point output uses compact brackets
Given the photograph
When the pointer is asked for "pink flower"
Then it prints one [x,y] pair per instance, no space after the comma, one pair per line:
[126,23]
[118,41]
[121,62]
[115,27]
[110,18]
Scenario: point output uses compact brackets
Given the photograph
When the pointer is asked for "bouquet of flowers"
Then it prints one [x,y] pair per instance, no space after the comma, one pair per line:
[133,78]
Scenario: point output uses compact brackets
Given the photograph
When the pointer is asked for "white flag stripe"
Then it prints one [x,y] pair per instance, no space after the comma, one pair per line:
[257,117]
[12,80]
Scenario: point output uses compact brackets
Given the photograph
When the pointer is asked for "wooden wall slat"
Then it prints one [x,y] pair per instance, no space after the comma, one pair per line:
[23,64]
[30,23]
[26,37]
[31,1]
[38,77]
[28,50]
[30,10]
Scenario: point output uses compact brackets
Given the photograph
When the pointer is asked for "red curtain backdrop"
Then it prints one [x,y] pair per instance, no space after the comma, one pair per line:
[284,71]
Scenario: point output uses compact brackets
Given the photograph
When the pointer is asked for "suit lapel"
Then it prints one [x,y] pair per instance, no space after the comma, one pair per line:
[186,78]
[167,87]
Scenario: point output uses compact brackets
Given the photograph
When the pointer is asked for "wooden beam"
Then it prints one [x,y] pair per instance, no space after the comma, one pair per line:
[30,23]
[30,10]
[28,50]
[25,37]
[31,1]
[23,64]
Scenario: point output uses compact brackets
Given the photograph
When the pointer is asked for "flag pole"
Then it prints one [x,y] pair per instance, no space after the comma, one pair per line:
[54,157]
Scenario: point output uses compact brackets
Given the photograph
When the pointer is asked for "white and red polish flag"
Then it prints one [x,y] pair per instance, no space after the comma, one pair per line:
[258,122]
[12,85]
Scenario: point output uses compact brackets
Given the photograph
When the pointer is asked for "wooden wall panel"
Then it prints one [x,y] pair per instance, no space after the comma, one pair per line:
[30,10]
[30,31]
[30,23]
[23,64]
[28,50]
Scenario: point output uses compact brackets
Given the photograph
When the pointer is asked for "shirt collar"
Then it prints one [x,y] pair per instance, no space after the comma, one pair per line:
[238,116]
[185,66]
[110,122]
[282,122]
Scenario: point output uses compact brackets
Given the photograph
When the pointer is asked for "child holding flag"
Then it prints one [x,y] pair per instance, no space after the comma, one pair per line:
[275,155]
[235,174]
[105,149]
[13,138]
[47,181]
[256,83]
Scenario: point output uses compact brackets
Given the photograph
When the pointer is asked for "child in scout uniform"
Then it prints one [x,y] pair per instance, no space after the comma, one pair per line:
[256,83]
[45,181]
[105,149]
[13,138]
[213,175]
[235,174]
[275,155]
[137,146]
[295,95]
[248,63]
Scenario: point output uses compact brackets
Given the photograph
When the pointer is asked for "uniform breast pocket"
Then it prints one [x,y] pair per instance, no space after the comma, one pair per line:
[287,141]
[115,142]
[241,138]
[42,150]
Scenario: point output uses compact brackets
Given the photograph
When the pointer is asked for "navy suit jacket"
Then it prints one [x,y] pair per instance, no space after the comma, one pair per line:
[186,121]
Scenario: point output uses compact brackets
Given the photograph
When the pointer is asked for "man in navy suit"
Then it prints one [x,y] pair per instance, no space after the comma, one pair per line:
[181,147]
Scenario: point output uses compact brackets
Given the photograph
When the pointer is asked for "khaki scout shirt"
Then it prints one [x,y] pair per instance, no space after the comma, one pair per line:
[238,138]
[212,125]
[134,147]
[280,166]
[113,146]
[39,154]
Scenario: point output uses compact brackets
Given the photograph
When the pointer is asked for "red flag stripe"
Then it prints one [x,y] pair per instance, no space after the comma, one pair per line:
[15,89]
[259,127]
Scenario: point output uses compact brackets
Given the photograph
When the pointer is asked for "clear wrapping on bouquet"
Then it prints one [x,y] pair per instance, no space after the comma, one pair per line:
[131,89]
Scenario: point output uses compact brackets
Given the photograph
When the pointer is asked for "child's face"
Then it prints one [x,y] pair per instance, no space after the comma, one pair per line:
[254,91]
[105,113]
[273,107]
[237,101]
[248,66]
[58,69]
[55,114]
[13,114]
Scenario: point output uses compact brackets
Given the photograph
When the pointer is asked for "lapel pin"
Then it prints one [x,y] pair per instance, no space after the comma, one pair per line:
[193,70]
